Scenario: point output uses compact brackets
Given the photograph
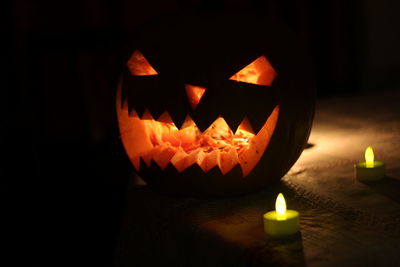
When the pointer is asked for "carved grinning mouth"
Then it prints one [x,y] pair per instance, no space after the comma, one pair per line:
[159,139]
[217,147]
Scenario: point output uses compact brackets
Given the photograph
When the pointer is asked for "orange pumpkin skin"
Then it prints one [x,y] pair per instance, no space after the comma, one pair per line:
[289,100]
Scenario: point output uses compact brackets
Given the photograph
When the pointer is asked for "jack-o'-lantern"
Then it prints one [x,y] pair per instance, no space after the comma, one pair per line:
[211,105]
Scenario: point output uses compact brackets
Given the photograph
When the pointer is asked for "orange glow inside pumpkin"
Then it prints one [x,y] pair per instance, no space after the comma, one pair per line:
[139,66]
[218,146]
[260,72]
[194,93]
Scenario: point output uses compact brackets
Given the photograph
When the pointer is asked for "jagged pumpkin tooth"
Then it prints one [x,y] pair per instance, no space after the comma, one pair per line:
[147,157]
[200,156]
[220,124]
[147,115]
[209,161]
[164,156]
[245,125]
[234,155]
[165,117]
[136,162]
[228,160]
[132,113]
[250,157]
[188,122]
[193,157]
[132,129]
[178,160]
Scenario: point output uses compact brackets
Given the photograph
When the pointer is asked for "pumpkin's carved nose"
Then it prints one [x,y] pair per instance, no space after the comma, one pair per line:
[194,94]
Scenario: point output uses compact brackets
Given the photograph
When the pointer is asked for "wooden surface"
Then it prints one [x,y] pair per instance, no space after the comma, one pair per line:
[343,221]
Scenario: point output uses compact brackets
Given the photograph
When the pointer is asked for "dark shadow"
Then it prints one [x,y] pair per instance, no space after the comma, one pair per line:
[213,230]
[286,251]
[309,145]
[388,186]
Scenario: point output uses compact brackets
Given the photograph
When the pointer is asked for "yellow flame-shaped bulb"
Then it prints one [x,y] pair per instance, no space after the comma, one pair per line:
[369,157]
[280,207]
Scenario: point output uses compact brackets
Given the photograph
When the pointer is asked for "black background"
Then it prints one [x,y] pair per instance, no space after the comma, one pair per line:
[65,174]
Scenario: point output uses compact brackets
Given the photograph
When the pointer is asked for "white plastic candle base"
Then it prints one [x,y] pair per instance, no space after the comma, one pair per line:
[368,174]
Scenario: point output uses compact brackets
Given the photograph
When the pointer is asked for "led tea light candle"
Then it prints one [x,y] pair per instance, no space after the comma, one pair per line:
[281,222]
[370,170]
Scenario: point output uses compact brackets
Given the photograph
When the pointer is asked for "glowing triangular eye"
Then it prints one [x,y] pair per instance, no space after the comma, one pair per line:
[139,66]
[260,72]
[194,94]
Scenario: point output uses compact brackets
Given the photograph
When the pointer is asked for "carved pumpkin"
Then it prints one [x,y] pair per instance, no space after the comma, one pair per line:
[214,106]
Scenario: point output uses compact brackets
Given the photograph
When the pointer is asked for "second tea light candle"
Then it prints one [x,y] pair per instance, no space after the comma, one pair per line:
[370,170]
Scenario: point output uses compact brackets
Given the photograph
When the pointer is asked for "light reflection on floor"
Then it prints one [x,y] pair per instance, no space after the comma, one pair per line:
[343,128]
